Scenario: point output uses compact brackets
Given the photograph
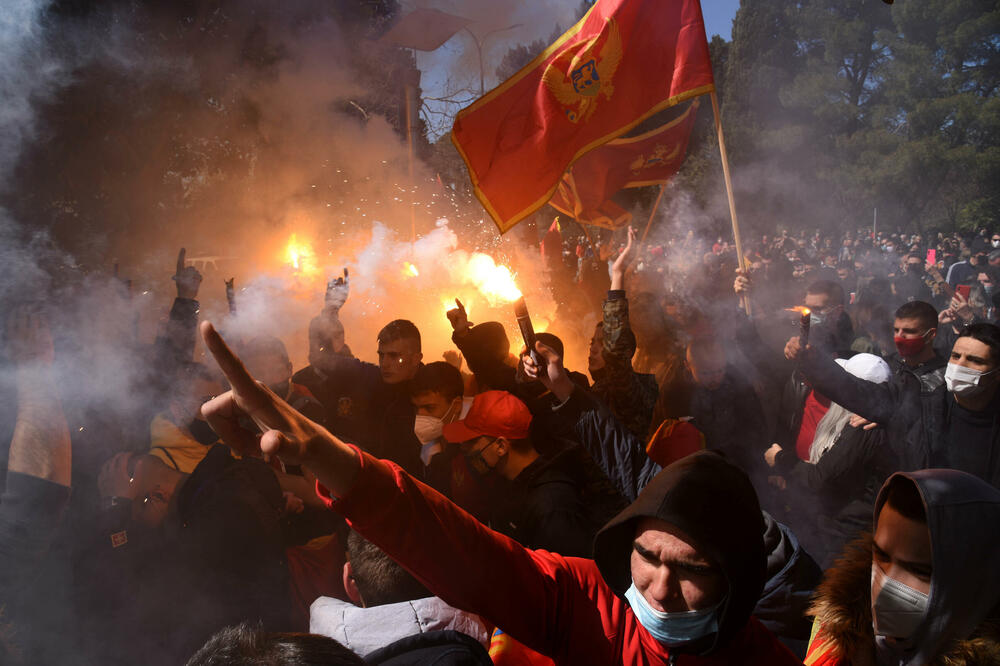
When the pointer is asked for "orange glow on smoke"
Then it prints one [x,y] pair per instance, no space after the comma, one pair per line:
[494,281]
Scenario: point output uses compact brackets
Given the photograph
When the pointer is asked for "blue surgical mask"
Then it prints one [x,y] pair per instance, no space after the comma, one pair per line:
[672,629]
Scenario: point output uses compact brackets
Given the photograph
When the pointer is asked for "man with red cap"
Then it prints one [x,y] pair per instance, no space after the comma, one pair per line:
[674,579]
[555,500]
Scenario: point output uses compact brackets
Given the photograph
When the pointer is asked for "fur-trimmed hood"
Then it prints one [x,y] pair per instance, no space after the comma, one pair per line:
[843,599]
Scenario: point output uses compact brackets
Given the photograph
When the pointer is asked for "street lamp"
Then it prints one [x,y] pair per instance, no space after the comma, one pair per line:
[479,48]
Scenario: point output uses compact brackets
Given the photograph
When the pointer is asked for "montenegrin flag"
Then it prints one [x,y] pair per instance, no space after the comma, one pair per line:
[651,158]
[624,61]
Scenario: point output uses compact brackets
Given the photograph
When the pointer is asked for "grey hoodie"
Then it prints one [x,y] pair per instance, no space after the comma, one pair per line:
[364,630]
[963,516]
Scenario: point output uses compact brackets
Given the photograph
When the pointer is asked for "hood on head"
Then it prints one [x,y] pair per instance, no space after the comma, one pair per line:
[965,584]
[712,501]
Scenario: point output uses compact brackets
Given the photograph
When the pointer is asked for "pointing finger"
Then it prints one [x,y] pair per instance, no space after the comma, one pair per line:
[229,363]
[180,260]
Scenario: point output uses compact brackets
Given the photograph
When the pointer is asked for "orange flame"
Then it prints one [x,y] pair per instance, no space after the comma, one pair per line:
[800,309]
[300,256]
[495,281]
[409,270]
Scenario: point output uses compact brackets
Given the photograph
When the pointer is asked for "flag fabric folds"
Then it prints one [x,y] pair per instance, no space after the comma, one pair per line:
[651,158]
[624,61]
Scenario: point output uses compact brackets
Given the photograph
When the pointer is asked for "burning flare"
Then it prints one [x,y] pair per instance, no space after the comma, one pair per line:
[409,270]
[300,256]
[495,281]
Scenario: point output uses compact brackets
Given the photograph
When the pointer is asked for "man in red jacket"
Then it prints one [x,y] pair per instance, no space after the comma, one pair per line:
[674,578]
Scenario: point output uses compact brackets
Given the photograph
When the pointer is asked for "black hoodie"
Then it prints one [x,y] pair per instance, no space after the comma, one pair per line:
[712,501]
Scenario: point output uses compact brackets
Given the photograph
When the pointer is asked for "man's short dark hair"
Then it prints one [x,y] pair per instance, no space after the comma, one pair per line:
[988,334]
[400,329]
[379,579]
[550,340]
[438,377]
[922,311]
[830,289]
[243,645]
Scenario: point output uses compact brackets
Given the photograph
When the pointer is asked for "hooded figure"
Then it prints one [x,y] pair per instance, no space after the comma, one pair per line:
[713,502]
[960,621]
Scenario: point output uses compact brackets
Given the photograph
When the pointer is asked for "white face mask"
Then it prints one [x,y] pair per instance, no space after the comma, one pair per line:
[898,609]
[965,382]
[429,428]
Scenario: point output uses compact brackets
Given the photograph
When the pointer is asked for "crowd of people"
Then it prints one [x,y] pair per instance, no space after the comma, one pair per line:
[793,457]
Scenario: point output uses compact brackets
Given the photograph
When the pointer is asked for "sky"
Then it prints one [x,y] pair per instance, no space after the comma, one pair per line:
[454,66]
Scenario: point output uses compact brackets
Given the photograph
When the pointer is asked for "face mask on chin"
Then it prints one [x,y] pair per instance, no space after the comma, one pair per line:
[673,629]
[966,382]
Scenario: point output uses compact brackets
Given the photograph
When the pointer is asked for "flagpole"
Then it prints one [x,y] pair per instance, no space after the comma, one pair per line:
[652,213]
[729,194]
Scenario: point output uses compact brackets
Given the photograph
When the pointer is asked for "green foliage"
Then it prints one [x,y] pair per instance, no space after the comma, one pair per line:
[834,107]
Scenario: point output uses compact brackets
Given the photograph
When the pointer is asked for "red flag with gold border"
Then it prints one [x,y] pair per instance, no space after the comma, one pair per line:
[624,61]
[650,158]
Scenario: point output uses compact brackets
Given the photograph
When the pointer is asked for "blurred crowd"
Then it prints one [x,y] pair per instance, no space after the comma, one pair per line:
[788,456]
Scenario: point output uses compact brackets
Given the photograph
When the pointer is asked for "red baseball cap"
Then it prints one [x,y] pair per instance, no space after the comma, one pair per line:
[493,414]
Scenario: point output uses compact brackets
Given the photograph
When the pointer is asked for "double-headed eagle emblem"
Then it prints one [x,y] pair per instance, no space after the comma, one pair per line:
[661,153]
[579,85]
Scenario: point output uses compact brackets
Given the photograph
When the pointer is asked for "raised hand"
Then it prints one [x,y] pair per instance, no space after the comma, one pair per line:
[337,290]
[28,337]
[552,375]
[459,318]
[624,259]
[188,278]
[286,433]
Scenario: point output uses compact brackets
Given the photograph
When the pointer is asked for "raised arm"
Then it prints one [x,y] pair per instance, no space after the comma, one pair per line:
[39,467]
[176,344]
[618,452]
[532,594]
[875,402]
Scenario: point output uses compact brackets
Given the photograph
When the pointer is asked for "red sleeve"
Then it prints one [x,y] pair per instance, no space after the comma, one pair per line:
[558,606]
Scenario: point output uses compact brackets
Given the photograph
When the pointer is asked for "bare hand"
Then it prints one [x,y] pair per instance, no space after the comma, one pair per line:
[337,290]
[741,285]
[960,306]
[286,433]
[794,349]
[947,316]
[459,318]
[28,337]
[453,358]
[114,479]
[771,455]
[552,375]
[862,422]
[188,278]
[624,259]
